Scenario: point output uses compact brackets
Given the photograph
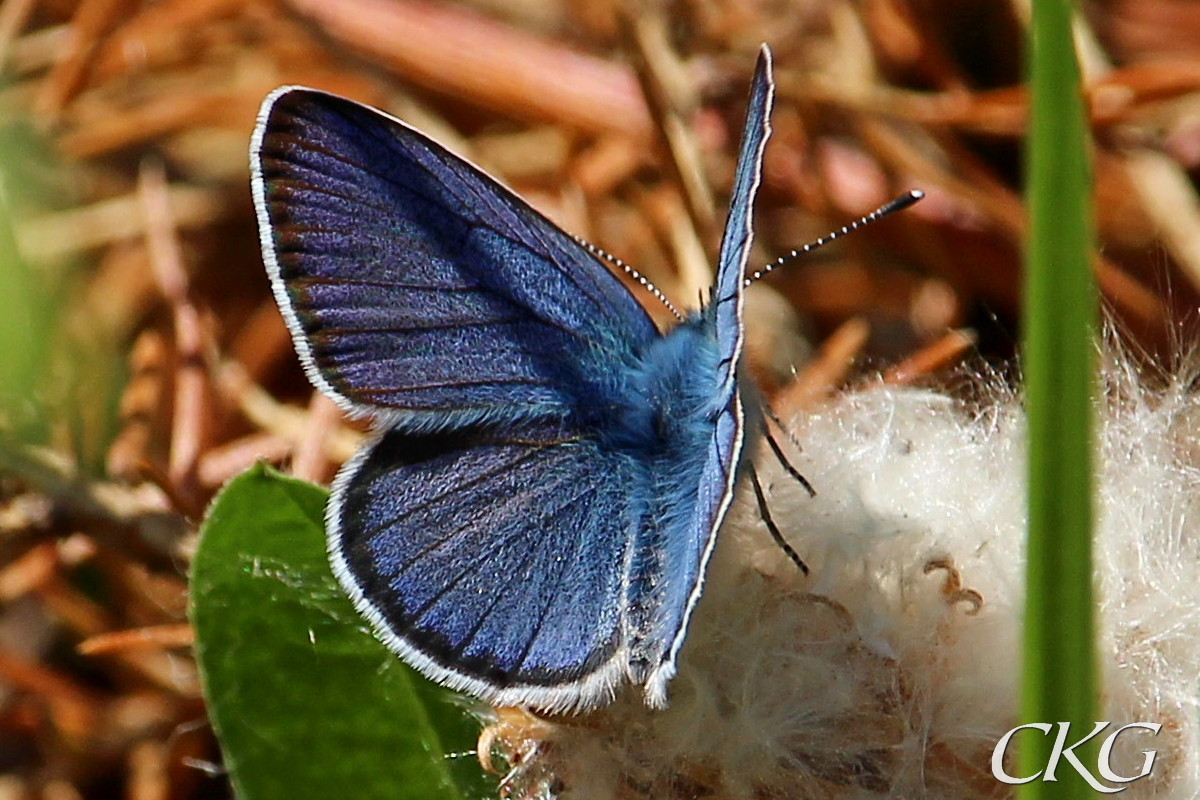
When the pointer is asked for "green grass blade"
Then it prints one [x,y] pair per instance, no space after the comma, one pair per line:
[1059,364]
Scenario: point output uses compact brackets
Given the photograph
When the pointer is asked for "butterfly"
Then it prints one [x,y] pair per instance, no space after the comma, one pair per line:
[533,515]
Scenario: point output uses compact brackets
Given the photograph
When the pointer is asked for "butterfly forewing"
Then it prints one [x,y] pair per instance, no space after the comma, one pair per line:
[725,307]
[412,281]
[718,450]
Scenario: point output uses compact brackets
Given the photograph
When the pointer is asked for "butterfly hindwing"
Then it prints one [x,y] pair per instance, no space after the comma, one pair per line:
[412,281]
[490,561]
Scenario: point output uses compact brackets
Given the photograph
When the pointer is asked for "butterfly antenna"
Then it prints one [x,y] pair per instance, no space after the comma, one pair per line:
[642,280]
[903,201]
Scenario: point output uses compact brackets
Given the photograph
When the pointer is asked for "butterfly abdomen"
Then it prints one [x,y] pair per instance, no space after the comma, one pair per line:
[673,404]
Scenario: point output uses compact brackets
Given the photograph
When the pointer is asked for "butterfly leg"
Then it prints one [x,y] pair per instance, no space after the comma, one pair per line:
[778,451]
[761,497]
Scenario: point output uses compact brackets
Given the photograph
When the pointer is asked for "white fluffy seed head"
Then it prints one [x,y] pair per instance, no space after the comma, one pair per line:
[892,671]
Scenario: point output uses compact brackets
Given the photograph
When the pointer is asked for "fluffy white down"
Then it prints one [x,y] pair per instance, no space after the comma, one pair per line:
[892,670]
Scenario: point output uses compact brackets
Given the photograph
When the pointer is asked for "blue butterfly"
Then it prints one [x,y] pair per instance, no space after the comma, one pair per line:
[532,518]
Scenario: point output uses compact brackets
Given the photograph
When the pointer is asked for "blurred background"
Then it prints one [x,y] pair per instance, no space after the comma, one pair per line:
[143,361]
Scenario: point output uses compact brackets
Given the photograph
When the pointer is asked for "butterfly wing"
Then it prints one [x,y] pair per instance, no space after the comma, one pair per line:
[493,562]
[484,532]
[725,306]
[412,281]
[700,507]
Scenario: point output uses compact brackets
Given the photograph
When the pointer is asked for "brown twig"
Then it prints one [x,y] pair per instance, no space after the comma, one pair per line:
[930,358]
[825,372]
[486,63]
[193,405]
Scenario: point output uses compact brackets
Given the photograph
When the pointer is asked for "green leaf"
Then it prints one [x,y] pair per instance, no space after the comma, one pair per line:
[305,702]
